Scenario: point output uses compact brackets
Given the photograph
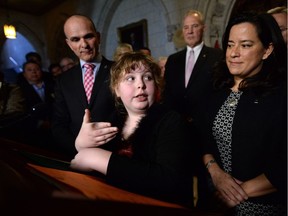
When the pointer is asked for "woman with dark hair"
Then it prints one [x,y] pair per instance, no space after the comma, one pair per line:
[244,125]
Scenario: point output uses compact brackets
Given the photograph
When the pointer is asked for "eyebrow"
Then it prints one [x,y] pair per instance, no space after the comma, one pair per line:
[89,35]
[242,41]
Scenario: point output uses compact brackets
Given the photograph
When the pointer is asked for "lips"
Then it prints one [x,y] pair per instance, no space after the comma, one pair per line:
[86,52]
[234,63]
[141,97]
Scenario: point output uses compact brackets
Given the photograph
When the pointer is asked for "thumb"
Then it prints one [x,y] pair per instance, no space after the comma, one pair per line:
[86,118]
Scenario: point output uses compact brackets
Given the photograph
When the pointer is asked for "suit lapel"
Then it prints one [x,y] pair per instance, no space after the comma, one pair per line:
[78,86]
[100,79]
[182,68]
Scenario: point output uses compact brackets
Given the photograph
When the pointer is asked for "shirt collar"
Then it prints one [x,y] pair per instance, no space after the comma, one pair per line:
[96,62]
[196,48]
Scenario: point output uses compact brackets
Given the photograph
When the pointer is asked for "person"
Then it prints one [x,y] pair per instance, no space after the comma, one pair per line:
[145,50]
[183,95]
[66,63]
[120,49]
[134,41]
[39,96]
[55,69]
[161,62]
[34,56]
[243,124]
[70,96]
[280,15]
[12,109]
[143,148]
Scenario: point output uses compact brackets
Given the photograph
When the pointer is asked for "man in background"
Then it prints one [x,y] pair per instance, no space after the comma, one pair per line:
[66,63]
[280,15]
[188,81]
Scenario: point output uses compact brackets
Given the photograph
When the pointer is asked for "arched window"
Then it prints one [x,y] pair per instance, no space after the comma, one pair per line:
[13,56]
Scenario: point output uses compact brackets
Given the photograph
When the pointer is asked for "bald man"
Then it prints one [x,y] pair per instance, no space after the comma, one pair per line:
[70,97]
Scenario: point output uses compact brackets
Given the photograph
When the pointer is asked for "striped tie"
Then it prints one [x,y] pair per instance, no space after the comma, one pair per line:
[88,80]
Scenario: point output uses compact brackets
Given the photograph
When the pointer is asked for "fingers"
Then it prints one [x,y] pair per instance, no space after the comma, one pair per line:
[227,203]
[229,188]
[104,135]
[233,193]
[86,118]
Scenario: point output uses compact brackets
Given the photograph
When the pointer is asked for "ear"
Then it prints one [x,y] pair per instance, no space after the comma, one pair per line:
[117,92]
[68,43]
[204,27]
[268,51]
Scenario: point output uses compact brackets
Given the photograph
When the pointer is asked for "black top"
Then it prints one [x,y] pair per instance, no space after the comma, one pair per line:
[259,138]
[161,162]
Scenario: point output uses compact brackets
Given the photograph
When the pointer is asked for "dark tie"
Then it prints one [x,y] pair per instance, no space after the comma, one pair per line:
[189,67]
[88,80]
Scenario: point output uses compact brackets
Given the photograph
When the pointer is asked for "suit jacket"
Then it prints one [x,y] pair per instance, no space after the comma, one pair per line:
[70,104]
[176,95]
[40,110]
[186,100]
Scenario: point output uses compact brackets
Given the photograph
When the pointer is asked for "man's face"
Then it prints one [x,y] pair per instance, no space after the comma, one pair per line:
[281,19]
[82,38]
[32,72]
[192,30]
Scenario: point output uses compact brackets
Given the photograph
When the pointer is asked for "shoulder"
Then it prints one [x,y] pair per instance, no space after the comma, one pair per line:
[212,50]
[178,54]
[72,72]
[161,113]
[106,62]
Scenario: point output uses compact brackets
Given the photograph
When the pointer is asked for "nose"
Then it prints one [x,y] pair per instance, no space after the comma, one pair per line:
[190,29]
[141,84]
[84,43]
[235,51]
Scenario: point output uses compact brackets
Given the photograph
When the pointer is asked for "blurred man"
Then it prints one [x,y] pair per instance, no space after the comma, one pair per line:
[66,63]
[280,15]
[187,77]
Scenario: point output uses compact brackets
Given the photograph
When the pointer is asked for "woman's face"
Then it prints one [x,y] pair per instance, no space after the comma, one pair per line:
[245,52]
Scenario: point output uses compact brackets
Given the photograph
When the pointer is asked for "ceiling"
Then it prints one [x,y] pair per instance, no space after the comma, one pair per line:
[32,7]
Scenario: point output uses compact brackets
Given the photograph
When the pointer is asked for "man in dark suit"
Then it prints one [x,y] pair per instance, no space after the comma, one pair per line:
[70,96]
[184,90]
[38,91]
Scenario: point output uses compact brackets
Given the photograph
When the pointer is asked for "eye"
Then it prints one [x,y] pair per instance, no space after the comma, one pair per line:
[74,39]
[185,27]
[195,26]
[246,45]
[89,36]
[229,45]
[148,76]
[129,78]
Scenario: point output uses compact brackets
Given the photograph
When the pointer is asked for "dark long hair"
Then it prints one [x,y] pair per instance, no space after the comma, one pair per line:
[273,72]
